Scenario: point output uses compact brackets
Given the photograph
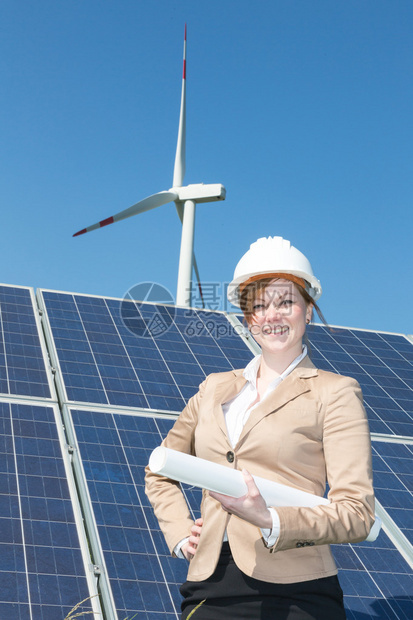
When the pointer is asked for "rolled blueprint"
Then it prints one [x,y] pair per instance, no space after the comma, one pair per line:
[220,479]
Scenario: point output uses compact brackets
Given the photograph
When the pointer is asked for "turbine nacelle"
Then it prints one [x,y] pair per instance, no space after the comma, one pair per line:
[199,192]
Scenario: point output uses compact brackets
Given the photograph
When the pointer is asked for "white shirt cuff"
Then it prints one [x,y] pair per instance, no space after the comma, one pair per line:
[271,536]
[178,547]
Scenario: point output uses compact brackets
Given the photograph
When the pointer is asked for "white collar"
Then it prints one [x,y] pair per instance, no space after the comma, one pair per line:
[251,370]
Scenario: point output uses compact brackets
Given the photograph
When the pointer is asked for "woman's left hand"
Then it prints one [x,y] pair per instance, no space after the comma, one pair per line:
[250,507]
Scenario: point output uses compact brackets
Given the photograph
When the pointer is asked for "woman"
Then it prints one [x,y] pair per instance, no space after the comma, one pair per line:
[280,418]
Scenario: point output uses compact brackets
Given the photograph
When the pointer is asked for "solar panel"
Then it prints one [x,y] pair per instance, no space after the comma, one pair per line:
[376,580]
[22,354]
[141,355]
[119,365]
[114,449]
[393,482]
[42,572]
[131,354]
[382,364]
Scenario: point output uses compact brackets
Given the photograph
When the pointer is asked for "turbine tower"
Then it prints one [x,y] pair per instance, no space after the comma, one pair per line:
[185,198]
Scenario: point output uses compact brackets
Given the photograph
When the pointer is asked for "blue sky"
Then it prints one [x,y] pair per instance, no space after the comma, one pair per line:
[301,108]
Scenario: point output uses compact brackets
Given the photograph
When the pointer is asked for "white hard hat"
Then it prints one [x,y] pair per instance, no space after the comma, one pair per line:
[271,255]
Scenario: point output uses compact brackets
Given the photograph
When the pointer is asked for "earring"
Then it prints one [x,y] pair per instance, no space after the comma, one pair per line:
[308,321]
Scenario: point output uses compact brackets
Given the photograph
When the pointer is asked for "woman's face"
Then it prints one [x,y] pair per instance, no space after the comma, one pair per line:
[279,317]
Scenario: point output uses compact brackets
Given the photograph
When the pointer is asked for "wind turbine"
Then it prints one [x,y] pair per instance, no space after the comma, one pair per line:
[185,198]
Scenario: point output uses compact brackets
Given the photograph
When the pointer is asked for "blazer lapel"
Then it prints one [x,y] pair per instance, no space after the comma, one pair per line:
[292,386]
[224,392]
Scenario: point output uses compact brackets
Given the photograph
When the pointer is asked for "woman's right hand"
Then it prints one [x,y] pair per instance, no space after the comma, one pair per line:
[189,548]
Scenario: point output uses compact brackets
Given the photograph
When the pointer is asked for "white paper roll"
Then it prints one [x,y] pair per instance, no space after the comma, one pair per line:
[220,479]
[213,477]
[197,472]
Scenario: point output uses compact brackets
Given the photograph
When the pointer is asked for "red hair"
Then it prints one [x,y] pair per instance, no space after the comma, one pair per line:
[257,284]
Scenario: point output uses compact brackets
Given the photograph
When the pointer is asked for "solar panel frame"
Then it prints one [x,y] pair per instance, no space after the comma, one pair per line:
[348,349]
[387,412]
[369,588]
[393,466]
[99,432]
[201,353]
[108,583]
[28,337]
[380,399]
[44,507]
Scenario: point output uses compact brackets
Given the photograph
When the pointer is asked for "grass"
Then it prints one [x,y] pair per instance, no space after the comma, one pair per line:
[71,615]
[195,608]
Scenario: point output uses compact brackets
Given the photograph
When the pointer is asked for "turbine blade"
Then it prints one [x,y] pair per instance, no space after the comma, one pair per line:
[198,279]
[151,202]
[180,211]
[179,168]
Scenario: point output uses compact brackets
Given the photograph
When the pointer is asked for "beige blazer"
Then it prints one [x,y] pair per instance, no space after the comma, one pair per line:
[312,428]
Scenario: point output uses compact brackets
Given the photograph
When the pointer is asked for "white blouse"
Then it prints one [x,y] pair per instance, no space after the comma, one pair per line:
[238,410]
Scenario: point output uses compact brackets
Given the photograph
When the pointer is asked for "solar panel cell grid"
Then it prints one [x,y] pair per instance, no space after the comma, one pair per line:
[42,574]
[106,362]
[116,447]
[373,360]
[154,357]
[393,482]
[115,365]
[22,364]
[114,450]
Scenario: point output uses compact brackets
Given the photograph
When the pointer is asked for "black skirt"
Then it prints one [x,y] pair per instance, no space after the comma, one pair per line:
[231,595]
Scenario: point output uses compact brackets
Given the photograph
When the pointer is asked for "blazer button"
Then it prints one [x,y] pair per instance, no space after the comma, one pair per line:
[311,543]
[230,457]
[299,544]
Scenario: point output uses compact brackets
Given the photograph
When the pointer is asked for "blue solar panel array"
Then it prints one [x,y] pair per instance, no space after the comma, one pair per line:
[22,363]
[119,364]
[42,575]
[135,354]
[154,356]
[382,364]
[393,482]
[114,448]
[377,582]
